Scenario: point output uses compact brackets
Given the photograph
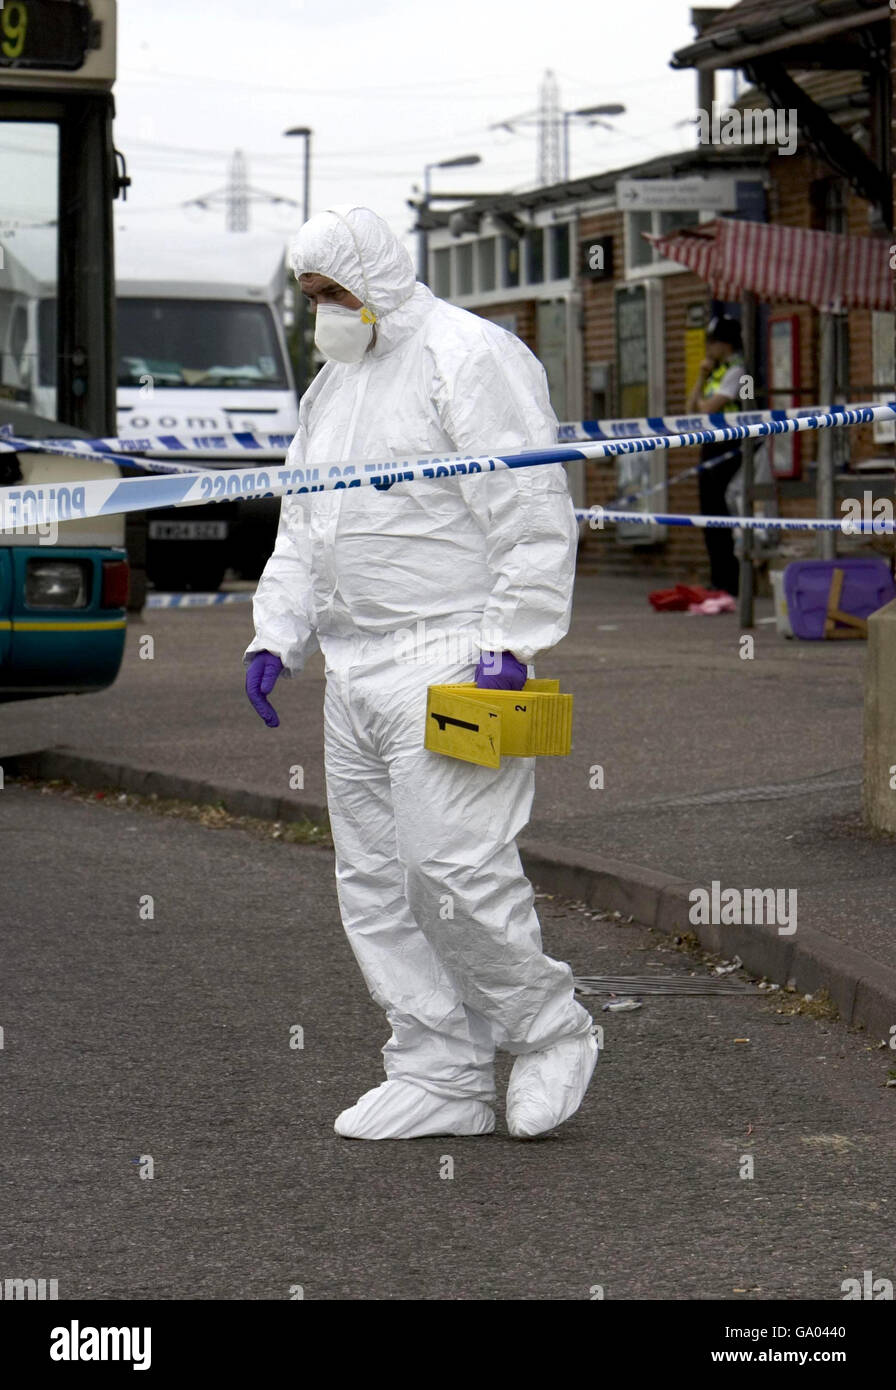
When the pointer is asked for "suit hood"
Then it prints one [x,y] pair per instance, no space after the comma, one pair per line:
[355,247]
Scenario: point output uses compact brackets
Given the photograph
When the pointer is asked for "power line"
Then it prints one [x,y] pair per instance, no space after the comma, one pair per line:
[396,90]
[404,146]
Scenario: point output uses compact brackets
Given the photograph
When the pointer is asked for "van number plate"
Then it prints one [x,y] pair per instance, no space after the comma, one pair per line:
[188,530]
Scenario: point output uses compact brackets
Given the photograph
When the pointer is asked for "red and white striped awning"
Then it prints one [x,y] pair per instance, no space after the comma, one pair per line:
[791,264]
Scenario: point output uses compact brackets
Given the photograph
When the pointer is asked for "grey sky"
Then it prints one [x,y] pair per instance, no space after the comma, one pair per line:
[386,85]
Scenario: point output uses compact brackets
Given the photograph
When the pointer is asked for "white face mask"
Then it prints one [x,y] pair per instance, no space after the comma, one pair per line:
[343,335]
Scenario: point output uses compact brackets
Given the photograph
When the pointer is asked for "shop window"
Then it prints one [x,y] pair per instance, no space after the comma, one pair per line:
[510,262]
[828,205]
[842,372]
[639,363]
[631,351]
[485,257]
[883,328]
[600,382]
[534,246]
[559,252]
[464,268]
[672,221]
[442,272]
[640,254]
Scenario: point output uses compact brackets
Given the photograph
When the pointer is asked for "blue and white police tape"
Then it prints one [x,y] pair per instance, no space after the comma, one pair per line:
[233,443]
[267,445]
[81,448]
[84,448]
[849,526]
[613,429]
[198,600]
[645,426]
[196,445]
[44,502]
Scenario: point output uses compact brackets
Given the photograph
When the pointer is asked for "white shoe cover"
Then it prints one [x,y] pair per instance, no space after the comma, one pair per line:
[400,1110]
[547,1087]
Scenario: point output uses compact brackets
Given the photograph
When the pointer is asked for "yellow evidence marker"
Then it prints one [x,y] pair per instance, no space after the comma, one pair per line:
[481,726]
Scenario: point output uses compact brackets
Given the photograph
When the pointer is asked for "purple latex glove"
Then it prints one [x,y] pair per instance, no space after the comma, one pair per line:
[500,671]
[261,674]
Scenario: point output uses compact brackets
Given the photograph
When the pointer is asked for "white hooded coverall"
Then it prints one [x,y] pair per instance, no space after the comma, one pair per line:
[399,588]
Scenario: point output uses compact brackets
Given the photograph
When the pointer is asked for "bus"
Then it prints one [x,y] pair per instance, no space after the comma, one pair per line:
[63,592]
[202,353]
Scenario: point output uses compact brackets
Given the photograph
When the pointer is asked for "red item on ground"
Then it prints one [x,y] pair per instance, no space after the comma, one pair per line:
[716,603]
[680,598]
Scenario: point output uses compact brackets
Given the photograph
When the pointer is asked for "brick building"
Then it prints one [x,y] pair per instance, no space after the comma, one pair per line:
[620,329]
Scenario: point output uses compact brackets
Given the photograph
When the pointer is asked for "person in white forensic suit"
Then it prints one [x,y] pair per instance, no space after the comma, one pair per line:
[426,582]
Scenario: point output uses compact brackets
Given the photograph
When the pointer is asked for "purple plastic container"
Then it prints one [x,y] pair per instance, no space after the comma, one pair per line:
[867,586]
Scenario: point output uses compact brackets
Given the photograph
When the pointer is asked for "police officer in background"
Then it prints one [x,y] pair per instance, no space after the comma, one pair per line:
[716,389]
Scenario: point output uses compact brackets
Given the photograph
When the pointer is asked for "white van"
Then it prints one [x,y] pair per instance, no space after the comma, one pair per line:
[202,352]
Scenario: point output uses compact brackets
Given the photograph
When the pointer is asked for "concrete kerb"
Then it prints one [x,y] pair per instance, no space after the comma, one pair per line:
[95,773]
[863,989]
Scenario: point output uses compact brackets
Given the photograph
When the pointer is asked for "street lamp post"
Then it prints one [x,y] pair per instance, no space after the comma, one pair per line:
[301,312]
[456,163]
[306,134]
[613,108]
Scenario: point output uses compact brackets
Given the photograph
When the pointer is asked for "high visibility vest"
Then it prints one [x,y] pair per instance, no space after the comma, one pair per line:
[717,376]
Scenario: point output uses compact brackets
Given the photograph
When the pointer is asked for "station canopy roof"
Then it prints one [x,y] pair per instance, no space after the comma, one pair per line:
[813,31]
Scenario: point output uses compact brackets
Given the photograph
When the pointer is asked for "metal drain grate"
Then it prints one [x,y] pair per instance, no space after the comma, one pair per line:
[662,984]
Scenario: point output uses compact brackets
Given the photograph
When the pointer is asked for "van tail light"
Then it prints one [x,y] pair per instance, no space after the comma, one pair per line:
[116,577]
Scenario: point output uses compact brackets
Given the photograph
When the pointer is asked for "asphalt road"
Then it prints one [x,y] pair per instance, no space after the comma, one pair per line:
[714,767]
[169,1037]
